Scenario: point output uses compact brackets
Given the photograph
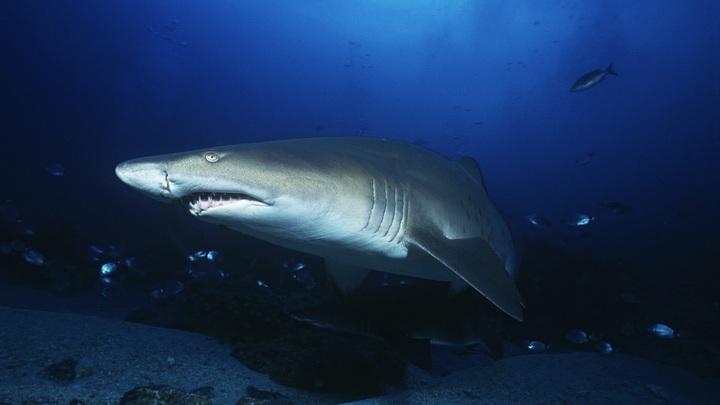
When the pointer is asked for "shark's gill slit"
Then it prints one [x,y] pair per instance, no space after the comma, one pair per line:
[398,214]
[383,211]
[390,210]
[372,208]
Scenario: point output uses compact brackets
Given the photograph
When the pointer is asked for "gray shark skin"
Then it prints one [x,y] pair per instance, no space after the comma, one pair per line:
[591,79]
[360,203]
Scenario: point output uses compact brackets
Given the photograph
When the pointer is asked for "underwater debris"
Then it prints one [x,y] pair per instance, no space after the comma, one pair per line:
[259,397]
[161,394]
[62,371]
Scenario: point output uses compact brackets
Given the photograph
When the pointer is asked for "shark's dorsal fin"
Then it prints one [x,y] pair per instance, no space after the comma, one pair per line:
[472,168]
[474,261]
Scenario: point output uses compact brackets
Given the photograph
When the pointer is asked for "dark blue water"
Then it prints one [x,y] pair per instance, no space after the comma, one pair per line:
[88,84]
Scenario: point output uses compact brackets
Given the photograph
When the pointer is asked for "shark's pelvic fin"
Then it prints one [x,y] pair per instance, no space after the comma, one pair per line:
[346,278]
[473,260]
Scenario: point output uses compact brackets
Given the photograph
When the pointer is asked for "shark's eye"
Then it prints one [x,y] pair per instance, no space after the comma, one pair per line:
[212,157]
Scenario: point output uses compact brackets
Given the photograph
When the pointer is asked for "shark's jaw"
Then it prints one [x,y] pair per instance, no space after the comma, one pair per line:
[204,202]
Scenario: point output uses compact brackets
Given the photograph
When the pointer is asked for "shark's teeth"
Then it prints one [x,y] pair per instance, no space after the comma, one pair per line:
[197,203]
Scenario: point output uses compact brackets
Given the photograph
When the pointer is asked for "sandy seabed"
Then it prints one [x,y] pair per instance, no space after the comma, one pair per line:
[115,356]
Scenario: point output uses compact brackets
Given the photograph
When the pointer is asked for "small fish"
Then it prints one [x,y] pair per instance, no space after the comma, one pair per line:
[578,219]
[537,346]
[539,220]
[300,273]
[55,169]
[112,291]
[585,160]
[604,347]
[203,263]
[293,265]
[305,279]
[662,331]
[214,256]
[17,245]
[628,329]
[173,287]
[115,251]
[108,268]
[33,257]
[576,336]
[616,207]
[25,230]
[591,79]
[5,249]
[9,212]
[629,298]
[132,263]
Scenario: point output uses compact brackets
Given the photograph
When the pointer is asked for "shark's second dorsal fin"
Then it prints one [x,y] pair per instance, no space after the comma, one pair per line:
[472,168]
[474,261]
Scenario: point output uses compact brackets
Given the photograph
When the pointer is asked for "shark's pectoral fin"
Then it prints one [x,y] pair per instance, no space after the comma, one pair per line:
[345,278]
[474,261]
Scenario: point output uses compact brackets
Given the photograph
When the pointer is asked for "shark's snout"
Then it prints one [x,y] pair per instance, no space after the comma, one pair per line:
[146,177]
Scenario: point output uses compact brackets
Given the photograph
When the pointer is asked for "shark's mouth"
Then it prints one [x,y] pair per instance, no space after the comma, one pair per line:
[198,203]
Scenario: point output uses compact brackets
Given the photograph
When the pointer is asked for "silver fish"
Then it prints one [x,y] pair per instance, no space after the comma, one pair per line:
[591,79]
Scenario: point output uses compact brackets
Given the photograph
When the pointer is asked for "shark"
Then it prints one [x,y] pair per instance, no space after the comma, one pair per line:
[361,203]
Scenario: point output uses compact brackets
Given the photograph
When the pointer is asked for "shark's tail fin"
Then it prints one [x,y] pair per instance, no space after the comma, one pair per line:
[610,70]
